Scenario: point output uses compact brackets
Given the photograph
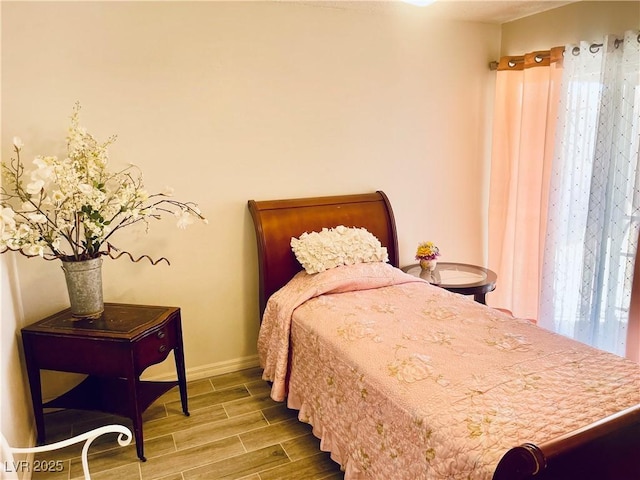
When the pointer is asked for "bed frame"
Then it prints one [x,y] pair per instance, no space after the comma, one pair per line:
[278,220]
[605,450]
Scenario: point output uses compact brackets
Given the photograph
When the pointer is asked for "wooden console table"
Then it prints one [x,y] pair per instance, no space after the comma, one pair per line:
[113,351]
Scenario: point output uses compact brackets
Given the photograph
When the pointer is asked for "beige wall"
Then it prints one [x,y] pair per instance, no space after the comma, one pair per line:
[569,24]
[228,102]
[15,404]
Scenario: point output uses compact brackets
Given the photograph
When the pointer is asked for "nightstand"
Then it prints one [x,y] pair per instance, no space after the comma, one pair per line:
[113,351]
[459,278]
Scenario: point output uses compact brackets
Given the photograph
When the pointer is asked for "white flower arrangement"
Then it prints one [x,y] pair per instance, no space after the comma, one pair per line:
[334,247]
[69,208]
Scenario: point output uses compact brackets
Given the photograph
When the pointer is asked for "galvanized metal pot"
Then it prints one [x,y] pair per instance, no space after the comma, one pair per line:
[84,284]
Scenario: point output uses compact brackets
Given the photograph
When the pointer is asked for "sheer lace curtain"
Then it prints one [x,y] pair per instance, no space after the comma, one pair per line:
[594,201]
[527,95]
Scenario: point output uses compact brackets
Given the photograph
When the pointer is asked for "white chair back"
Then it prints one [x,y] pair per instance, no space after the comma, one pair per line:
[9,467]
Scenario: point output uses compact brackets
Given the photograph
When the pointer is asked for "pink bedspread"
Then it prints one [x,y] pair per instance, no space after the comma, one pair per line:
[401,379]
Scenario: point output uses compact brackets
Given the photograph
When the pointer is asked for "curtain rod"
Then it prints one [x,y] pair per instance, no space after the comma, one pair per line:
[593,48]
[539,57]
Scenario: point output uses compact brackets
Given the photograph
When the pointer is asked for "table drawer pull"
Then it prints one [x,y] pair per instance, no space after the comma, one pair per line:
[162,348]
[161,334]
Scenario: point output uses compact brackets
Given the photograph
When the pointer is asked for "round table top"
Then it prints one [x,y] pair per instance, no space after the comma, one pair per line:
[457,277]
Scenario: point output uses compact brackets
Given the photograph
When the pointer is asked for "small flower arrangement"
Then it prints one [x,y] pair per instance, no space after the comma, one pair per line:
[70,208]
[427,251]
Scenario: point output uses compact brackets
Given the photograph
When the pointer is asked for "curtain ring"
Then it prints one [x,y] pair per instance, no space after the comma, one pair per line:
[638,38]
[511,63]
[575,51]
[617,42]
[594,47]
[537,59]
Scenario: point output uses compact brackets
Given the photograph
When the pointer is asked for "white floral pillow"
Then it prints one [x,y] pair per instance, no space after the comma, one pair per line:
[330,248]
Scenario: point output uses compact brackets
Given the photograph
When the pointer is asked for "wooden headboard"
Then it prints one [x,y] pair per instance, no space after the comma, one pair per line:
[276,221]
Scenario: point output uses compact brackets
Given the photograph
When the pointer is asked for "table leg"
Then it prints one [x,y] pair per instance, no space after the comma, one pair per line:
[178,354]
[480,298]
[136,414]
[33,372]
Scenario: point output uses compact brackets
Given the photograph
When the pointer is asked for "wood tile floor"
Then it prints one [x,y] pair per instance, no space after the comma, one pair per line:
[235,431]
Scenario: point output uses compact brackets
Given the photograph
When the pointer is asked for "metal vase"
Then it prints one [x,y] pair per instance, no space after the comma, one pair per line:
[84,284]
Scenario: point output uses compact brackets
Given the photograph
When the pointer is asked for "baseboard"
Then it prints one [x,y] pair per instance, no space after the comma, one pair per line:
[211,370]
[197,373]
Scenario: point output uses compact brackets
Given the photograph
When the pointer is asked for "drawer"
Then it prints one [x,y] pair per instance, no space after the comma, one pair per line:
[154,346]
[92,356]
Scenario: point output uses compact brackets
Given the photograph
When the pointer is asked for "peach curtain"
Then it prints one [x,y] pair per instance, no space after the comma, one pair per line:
[527,94]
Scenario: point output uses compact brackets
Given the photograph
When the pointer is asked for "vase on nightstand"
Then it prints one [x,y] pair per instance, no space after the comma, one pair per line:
[428,265]
[84,284]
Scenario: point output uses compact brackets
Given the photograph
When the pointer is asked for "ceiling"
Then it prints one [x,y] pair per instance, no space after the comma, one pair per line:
[492,11]
[466,10]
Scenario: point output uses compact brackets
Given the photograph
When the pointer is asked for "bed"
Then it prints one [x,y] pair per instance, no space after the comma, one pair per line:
[401,379]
